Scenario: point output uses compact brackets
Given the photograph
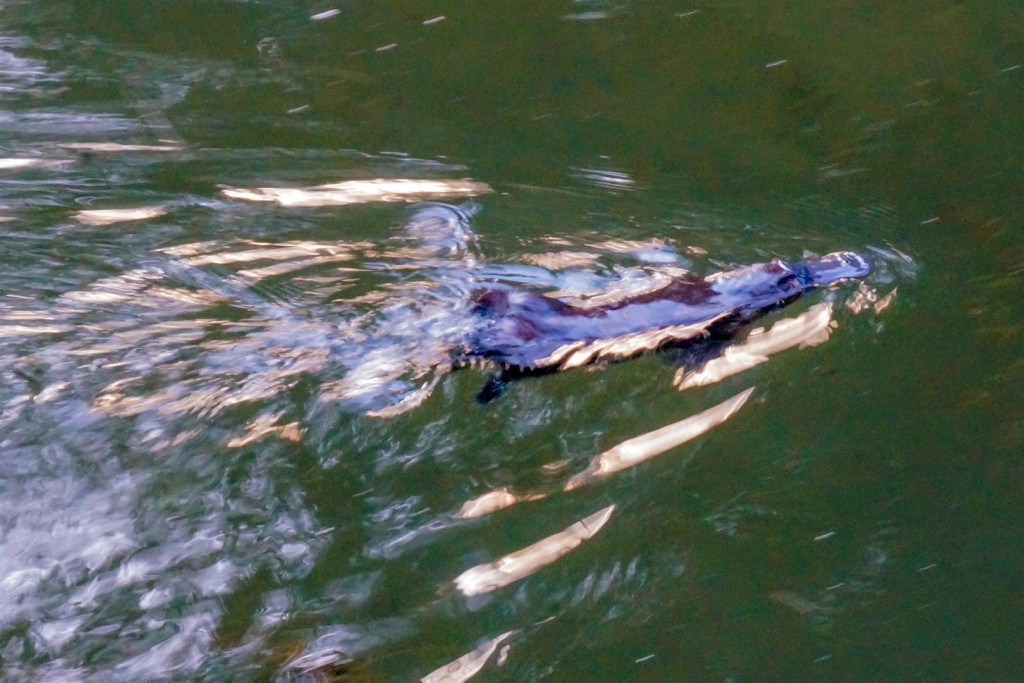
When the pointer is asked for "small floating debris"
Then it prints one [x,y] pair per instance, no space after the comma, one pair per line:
[485,578]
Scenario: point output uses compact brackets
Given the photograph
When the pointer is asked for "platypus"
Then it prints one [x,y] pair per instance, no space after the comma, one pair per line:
[529,333]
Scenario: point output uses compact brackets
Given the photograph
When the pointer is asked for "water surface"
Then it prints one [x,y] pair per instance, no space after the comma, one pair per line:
[193,329]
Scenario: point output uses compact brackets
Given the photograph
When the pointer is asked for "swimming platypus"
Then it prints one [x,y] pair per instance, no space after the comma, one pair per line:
[450,308]
[528,333]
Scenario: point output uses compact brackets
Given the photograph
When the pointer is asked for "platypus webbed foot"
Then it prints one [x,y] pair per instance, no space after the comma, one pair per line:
[493,388]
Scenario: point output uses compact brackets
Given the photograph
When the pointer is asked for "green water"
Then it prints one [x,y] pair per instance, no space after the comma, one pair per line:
[188,493]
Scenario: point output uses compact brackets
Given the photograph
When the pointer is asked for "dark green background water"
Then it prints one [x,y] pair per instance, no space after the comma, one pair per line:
[859,519]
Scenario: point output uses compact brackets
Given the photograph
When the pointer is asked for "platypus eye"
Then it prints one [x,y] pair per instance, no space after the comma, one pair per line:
[793,275]
[858,263]
[802,274]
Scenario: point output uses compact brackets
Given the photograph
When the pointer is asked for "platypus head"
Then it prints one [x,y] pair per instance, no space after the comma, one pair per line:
[824,270]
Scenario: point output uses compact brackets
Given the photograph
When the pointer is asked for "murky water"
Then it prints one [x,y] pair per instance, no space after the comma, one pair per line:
[230,444]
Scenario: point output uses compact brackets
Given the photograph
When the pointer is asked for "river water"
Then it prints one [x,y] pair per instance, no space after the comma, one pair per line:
[229,446]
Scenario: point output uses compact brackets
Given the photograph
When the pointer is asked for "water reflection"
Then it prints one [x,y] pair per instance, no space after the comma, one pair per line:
[810,328]
[468,665]
[361,191]
[515,566]
[111,216]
